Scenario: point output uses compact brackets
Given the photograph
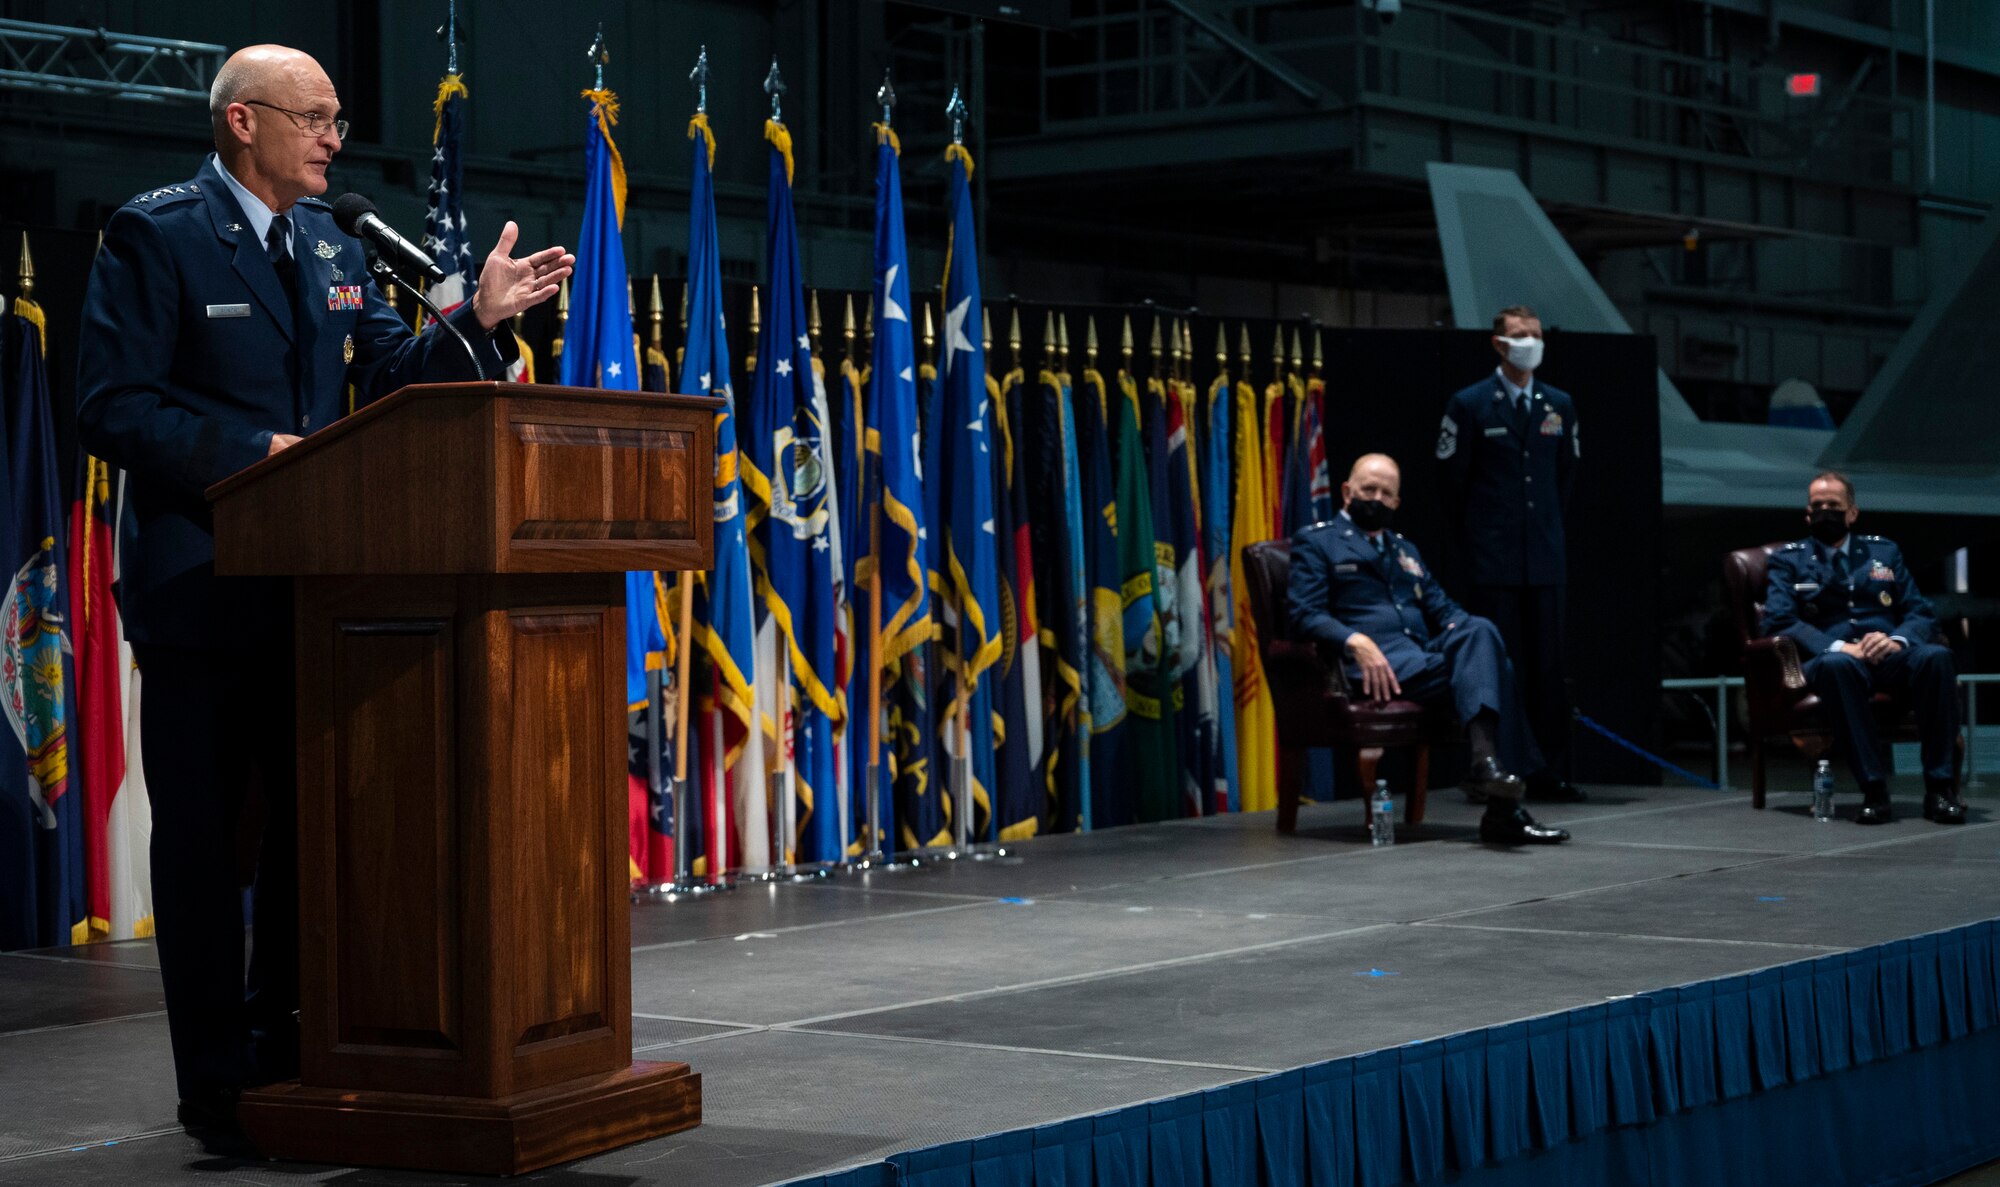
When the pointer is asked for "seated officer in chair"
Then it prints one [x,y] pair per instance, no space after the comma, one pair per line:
[1863,628]
[1359,587]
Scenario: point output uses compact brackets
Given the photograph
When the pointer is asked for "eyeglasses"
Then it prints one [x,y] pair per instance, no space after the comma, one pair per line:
[311,121]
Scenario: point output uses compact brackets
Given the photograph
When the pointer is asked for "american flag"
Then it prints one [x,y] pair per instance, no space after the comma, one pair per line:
[444,223]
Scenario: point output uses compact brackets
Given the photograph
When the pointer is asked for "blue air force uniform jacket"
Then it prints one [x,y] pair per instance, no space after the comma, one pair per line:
[1339,585]
[193,354]
[1507,477]
[1804,599]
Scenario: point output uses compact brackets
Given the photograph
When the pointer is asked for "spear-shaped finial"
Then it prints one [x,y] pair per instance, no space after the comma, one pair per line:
[1221,346]
[774,86]
[1174,343]
[598,54]
[812,319]
[1318,356]
[448,33]
[1298,359]
[986,330]
[956,111]
[1125,342]
[1062,339]
[699,77]
[656,314]
[1157,343]
[1090,341]
[847,325]
[1014,335]
[1049,338]
[756,324]
[930,331]
[1277,348]
[27,270]
[1243,346]
[885,96]
[684,310]
[868,317]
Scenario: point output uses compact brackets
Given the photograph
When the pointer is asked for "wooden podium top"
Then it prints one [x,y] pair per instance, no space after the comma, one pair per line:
[481,478]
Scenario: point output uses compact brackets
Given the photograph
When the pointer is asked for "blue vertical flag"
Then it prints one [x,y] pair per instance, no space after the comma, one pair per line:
[445,236]
[788,471]
[893,479]
[1215,520]
[971,567]
[1104,683]
[43,894]
[724,616]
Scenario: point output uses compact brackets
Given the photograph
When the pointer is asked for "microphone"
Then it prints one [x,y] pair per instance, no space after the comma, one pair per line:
[356,215]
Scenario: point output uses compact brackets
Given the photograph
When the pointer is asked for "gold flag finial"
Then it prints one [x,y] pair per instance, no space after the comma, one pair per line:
[1157,344]
[1297,359]
[1049,337]
[1125,342]
[656,314]
[1278,348]
[985,329]
[1062,340]
[1221,346]
[847,323]
[755,325]
[812,319]
[684,309]
[27,273]
[1243,346]
[930,331]
[1014,334]
[1318,356]
[1090,341]
[868,316]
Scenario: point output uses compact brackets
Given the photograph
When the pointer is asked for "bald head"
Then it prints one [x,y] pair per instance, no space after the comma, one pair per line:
[1376,462]
[273,112]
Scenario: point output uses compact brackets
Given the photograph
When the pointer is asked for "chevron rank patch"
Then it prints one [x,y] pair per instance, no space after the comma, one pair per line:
[1447,438]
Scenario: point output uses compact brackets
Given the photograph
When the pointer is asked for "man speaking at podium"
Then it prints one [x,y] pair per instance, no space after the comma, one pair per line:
[227,316]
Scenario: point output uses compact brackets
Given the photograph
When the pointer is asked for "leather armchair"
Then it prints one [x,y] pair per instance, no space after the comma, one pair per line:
[1315,705]
[1782,709]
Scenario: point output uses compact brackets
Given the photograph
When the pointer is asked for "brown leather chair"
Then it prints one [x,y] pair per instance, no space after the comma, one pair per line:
[1783,710]
[1315,704]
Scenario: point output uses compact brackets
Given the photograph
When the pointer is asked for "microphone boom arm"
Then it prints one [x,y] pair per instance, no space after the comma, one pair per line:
[384,270]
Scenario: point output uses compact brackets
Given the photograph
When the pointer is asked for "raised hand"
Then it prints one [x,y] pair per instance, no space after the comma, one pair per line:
[507,285]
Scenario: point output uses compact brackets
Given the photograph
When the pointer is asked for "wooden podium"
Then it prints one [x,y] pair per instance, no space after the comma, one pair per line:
[458,553]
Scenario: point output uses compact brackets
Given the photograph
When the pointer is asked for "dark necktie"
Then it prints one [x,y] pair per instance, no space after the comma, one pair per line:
[1839,562]
[275,244]
[1381,543]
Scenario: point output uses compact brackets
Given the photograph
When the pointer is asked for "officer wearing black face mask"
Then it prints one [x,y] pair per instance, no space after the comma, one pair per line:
[1360,587]
[1506,453]
[1863,627]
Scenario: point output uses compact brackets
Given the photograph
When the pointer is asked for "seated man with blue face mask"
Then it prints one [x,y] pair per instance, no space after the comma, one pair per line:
[1361,588]
[1855,612]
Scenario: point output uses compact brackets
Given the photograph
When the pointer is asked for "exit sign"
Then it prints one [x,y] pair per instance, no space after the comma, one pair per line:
[1802,85]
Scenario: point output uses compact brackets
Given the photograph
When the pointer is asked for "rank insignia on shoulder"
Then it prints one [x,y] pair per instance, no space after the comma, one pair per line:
[347,350]
[1886,599]
[1552,424]
[342,297]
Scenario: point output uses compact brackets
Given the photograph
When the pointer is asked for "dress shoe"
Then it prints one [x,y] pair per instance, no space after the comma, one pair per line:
[1486,779]
[1942,807]
[1555,791]
[1506,824]
[1874,812]
[210,1113]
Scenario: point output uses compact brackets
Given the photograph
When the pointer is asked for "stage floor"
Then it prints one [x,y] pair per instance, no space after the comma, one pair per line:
[837,1022]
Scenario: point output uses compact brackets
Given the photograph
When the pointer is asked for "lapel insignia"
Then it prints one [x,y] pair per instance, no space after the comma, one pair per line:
[347,350]
[233,226]
[1552,424]
[342,297]
[325,250]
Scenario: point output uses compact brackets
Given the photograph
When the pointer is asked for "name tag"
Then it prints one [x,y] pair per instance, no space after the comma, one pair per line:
[1806,587]
[229,311]
[1497,431]
[1347,568]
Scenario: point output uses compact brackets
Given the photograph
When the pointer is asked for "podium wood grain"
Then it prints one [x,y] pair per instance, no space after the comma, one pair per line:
[464,944]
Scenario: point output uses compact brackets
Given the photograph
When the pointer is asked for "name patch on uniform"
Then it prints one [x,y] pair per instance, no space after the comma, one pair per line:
[1881,572]
[342,297]
[229,311]
[1807,588]
[1497,431]
[1552,425]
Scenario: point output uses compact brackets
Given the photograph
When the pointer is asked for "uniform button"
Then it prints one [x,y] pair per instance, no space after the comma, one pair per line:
[306,422]
[1527,477]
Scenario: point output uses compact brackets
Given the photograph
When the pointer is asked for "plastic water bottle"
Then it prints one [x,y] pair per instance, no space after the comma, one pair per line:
[1823,792]
[1382,816]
